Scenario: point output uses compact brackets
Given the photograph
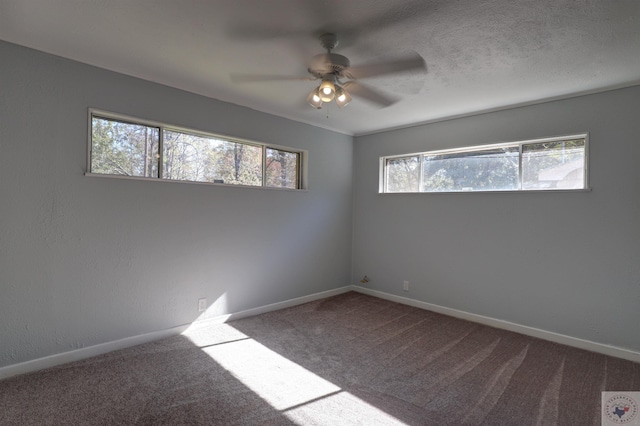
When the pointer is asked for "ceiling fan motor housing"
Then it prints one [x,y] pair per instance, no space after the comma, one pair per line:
[328,63]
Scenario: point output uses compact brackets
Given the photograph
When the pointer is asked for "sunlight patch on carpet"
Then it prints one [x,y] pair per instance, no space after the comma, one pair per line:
[340,408]
[288,387]
[280,382]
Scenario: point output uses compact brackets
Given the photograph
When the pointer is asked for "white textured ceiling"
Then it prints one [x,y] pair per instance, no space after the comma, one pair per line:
[481,54]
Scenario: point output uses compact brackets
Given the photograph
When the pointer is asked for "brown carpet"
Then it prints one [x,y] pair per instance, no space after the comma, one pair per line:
[346,360]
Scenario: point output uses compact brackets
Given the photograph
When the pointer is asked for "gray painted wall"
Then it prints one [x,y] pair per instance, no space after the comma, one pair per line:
[87,260]
[562,262]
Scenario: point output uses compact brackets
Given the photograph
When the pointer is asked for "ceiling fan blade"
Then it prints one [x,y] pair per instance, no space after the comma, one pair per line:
[257,78]
[369,94]
[412,62]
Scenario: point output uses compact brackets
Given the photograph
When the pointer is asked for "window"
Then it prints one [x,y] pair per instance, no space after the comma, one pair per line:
[282,168]
[544,164]
[210,159]
[121,148]
[129,147]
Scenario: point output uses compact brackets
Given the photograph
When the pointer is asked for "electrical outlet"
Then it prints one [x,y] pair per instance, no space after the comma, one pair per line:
[202,304]
[405,286]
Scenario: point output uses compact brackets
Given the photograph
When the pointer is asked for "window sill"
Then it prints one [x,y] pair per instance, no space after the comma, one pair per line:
[524,191]
[226,185]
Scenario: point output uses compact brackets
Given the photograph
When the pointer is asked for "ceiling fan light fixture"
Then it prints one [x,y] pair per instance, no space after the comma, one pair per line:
[314,99]
[327,91]
[342,97]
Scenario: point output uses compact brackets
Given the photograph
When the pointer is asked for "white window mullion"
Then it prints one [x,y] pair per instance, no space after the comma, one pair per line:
[264,166]
[421,165]
[520,168]
[161,154]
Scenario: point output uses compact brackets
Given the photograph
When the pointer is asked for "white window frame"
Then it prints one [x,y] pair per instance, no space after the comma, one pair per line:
[383,171]
[301,171]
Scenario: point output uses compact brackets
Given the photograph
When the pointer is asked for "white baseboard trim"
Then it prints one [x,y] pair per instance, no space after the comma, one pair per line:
[103,348]
[88,352]
[510,326]
[272,307]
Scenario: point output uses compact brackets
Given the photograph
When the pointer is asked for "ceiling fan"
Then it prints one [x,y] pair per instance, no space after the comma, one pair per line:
[339,79]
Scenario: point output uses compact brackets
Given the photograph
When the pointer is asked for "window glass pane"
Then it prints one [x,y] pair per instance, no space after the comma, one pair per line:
[119,148]
[553,165]
[207,159]
[282,168]
[403,174]
[486,170]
